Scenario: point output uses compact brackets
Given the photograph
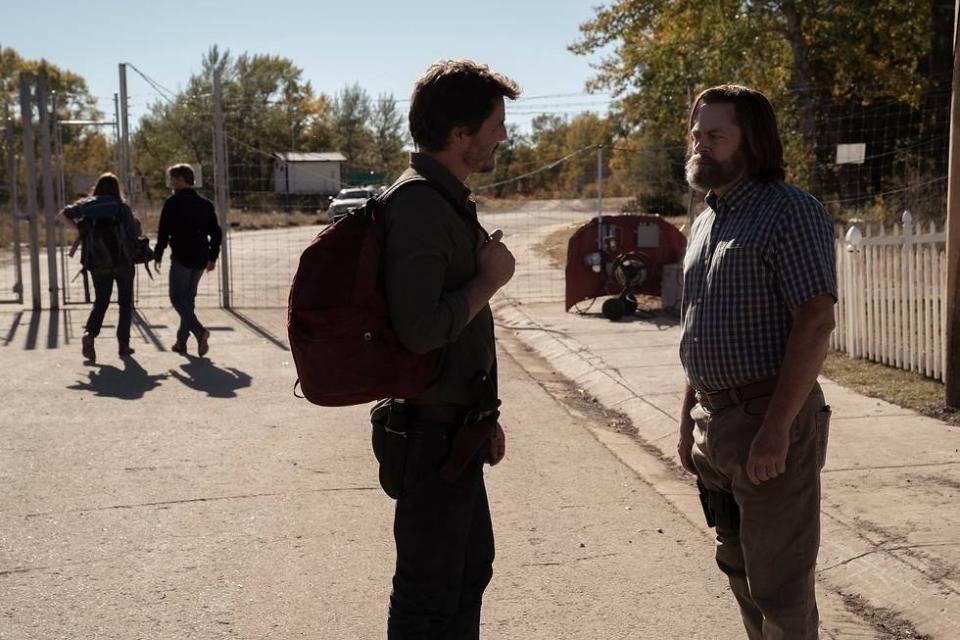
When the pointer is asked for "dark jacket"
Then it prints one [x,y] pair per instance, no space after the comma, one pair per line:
[99,208]
[431,254]
[188,223]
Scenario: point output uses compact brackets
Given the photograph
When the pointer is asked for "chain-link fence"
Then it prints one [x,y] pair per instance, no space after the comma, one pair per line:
[867,161]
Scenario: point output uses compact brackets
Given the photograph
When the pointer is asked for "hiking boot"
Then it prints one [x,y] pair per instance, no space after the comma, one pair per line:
[126,349]
[88,351]
[179,347]
[202,346]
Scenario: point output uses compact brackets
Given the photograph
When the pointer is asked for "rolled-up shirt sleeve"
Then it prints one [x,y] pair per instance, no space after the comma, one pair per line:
[418,253]
[804,254]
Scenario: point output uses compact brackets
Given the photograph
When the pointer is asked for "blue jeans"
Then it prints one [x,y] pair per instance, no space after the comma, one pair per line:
[103,289]
[183,293]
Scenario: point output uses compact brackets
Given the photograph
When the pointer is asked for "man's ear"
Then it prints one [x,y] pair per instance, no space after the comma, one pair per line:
[457,136]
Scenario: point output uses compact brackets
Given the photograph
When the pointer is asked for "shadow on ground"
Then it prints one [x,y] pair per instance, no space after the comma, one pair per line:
[130,383]
[656,317]
[202,375]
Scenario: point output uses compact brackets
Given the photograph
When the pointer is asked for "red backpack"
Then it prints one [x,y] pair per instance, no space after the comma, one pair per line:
[338,324]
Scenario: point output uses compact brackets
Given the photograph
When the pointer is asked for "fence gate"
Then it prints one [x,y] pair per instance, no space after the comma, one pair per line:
[11,271]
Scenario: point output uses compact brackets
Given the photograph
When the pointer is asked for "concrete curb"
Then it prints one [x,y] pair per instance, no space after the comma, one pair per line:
[853,560]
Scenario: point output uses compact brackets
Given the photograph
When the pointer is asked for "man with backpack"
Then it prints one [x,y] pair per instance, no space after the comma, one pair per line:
[189,224]
[108,236]
[441,270]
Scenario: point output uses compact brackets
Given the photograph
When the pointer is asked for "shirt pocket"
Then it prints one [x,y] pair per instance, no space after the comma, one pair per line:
[738,275]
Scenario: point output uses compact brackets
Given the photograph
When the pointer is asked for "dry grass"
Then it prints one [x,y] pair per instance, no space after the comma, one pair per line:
[554,246]
[902,388]
[150,218]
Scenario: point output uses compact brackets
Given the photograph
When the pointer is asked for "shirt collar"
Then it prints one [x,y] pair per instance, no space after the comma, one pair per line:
[442,177]
[733,198]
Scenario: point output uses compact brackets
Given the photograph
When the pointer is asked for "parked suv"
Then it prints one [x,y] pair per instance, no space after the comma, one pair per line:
[347,199]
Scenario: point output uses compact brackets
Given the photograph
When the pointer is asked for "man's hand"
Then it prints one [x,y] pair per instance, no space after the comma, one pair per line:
[685,451]
[156,264]
[685,445]
[498,446]
[211,264]
[494,260]
[768,454]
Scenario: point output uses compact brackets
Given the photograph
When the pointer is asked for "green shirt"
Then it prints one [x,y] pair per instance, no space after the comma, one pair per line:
[431,254]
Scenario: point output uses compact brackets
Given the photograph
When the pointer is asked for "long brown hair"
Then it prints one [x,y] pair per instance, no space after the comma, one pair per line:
[107,185]
[760,142]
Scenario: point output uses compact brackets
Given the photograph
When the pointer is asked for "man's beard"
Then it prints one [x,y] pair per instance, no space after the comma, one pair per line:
[480,160]
[704,174]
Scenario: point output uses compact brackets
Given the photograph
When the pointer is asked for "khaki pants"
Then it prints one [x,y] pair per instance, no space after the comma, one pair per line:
[771,560]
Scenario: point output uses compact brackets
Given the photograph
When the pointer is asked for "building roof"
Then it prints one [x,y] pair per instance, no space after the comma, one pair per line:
[297,156]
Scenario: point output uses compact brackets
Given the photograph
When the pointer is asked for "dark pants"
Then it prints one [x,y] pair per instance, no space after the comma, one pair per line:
[103,289]
[770,558]
[444,540]
[183,294]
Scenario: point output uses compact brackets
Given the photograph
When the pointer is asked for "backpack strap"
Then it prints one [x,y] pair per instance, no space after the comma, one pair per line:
[397,186]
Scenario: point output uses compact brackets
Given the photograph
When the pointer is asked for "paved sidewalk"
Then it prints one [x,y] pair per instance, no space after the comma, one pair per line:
[891,528]
[168,497]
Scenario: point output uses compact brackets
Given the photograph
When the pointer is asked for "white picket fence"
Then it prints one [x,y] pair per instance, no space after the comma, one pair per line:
[892,302]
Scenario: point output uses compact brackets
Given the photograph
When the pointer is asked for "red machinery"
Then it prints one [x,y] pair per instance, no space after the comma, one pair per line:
[622,258]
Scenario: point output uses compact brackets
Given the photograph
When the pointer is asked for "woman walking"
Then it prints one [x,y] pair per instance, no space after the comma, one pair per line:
[108,235]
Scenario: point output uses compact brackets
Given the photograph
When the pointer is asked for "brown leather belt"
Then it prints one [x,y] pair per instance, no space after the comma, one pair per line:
[730,397]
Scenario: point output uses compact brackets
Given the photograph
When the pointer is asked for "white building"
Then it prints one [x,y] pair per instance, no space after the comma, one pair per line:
[296,172]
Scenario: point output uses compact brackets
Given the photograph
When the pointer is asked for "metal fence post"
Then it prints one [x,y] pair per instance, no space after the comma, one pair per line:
[48,197]
[221,188]
[26,113]
[600,197]
[14,202]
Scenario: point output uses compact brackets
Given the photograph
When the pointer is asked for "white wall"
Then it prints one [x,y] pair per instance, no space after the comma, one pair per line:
[307,177]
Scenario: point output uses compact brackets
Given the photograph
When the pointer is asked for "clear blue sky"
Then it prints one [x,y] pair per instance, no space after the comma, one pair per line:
[384,45]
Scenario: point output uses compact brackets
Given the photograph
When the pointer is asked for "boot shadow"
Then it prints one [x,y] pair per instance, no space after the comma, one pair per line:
[202,375]
[130,383]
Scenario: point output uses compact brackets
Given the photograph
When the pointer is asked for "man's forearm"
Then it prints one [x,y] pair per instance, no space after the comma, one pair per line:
[478,293]
[689,399]
[806,349]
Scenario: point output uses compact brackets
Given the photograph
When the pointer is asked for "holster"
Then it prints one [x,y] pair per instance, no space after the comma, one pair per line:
[719,508]
[475,432]
[391,440]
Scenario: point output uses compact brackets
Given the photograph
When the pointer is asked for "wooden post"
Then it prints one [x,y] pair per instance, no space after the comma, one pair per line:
[952,364]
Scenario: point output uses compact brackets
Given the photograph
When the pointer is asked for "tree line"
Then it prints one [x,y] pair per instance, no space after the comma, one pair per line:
[862,71]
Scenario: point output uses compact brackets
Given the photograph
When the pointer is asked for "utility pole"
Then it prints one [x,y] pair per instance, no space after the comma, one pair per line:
[47,185]
[26,114]
[952,364]
[124,131]
[221,188]
[116,131]
[600,198]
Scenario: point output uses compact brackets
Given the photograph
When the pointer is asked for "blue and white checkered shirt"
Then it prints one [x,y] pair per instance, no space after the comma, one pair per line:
[754,255]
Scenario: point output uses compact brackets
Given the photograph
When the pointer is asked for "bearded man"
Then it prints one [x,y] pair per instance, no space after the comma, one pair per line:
[757,313]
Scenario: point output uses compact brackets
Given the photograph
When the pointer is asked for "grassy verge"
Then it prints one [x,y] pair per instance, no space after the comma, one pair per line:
[902,388]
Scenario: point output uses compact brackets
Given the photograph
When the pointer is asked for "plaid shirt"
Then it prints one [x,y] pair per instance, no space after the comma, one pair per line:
[754,255]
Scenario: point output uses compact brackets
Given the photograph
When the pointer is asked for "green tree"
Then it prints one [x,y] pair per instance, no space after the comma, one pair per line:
[388,125]
[352,111]
[85,148]
[267,106]
[813,59]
